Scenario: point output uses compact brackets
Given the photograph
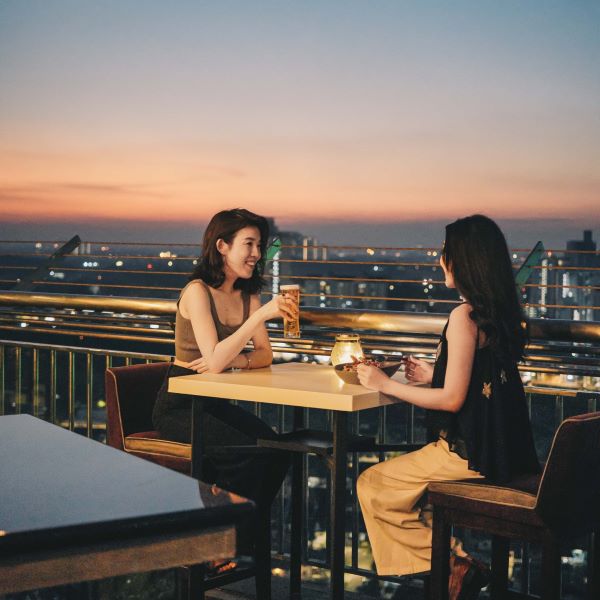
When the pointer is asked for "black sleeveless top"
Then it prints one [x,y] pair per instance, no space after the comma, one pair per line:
[493,424]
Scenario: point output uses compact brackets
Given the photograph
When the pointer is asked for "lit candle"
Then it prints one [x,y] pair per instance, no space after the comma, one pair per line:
[346,346]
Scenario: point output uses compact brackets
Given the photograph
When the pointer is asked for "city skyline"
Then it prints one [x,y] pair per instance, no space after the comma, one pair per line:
[341,120]
[520,234]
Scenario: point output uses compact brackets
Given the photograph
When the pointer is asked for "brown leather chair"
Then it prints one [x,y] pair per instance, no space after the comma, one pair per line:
[562,503]
[130,395]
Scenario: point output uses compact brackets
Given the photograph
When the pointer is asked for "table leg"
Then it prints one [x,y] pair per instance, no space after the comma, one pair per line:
[190,582]
[594,566]
[197,442]
[337,526]
[297,517]
[296,528]
[440,551]
[499,582]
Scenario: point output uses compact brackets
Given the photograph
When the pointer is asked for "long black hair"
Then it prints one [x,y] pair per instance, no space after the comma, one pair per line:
[224,225]
[476,253]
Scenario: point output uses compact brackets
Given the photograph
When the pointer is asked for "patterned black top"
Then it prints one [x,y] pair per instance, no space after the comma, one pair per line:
[493,424]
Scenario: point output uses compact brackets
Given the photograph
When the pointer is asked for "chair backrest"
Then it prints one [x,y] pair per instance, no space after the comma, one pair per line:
[569,493]
[130,395]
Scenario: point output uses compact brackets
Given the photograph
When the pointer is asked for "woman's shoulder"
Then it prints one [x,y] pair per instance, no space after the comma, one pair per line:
[460,319]
[461,313]
[195,290]
[194,284]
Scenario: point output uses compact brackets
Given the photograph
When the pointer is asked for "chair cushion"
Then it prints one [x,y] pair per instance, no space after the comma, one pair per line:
[150,443]
[484,492]
[476,497]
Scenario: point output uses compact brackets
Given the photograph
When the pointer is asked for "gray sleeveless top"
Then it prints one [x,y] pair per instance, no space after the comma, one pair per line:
[186,348]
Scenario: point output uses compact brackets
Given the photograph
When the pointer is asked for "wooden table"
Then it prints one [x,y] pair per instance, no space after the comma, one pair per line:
[72,509]
[300,385]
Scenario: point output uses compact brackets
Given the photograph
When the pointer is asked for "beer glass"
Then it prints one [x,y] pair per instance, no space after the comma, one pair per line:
[291,329]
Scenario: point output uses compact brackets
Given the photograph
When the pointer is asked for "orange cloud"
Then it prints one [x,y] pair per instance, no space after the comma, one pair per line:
[133,183]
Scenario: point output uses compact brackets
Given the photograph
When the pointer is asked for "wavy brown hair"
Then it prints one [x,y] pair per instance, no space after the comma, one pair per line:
[476,253]
[224,225]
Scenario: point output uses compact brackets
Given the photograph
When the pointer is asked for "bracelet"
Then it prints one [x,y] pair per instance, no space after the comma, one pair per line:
[248,361]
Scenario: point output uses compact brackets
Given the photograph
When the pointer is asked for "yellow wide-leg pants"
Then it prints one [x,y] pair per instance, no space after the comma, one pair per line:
[390,495]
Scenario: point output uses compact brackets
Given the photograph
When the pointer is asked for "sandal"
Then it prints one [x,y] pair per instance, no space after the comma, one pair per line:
[215,568]
[467,577]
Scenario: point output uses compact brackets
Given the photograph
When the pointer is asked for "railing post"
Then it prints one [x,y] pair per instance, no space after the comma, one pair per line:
[71,392]
[18,383]
[2,387]
[35,375]
[89,368]
[53,386]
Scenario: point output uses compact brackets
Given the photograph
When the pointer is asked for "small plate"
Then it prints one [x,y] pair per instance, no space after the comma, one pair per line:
[388,367]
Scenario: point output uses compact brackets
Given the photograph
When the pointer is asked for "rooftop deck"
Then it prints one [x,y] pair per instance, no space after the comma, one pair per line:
[58,343]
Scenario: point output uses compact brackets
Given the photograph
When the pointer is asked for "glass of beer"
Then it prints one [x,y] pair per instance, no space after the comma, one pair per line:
[291,329]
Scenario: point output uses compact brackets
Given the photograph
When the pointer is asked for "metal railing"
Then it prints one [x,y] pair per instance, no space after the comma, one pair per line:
[557,347]
[565,284]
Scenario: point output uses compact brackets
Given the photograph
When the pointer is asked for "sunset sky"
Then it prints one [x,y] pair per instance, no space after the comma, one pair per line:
[376,120]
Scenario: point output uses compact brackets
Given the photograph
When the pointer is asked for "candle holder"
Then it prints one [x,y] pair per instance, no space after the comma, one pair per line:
[346,346]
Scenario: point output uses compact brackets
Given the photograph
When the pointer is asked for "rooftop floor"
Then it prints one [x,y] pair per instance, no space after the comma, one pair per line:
[244,590]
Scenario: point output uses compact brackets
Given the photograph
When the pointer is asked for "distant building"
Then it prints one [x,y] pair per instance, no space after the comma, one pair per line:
[581,277]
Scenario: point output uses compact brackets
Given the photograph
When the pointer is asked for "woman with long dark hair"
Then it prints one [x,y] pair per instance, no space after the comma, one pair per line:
[477,418]
[218,313]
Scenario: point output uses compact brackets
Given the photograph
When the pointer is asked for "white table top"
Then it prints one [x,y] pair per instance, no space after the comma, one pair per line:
[290,384]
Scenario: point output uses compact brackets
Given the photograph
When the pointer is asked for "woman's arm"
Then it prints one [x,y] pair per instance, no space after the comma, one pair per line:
[219,355]
[262,355]
[462,342]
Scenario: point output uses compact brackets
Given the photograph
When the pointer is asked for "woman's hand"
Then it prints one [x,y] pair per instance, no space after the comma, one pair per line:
[419,371]
[371,377]
[280,307]
[200,365]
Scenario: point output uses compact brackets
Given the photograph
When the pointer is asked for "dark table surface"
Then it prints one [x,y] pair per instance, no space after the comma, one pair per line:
[58,489]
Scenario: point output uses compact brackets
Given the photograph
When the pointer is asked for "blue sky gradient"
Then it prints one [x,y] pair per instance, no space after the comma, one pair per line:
[137,112]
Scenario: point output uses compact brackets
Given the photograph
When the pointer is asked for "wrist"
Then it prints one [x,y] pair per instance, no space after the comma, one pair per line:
[262,313]
[248,362]
[385,386]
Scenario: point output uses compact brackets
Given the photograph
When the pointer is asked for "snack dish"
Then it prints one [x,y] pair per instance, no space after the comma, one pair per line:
[347,371]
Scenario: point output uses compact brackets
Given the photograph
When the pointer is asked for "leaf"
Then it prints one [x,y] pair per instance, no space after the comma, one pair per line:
[533,260]
[273,248]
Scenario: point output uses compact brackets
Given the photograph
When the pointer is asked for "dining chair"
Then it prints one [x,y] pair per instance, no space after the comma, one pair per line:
[550,509]
[130,395]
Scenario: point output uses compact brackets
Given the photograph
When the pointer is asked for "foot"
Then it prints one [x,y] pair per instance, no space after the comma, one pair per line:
[467,577]
[216,567]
